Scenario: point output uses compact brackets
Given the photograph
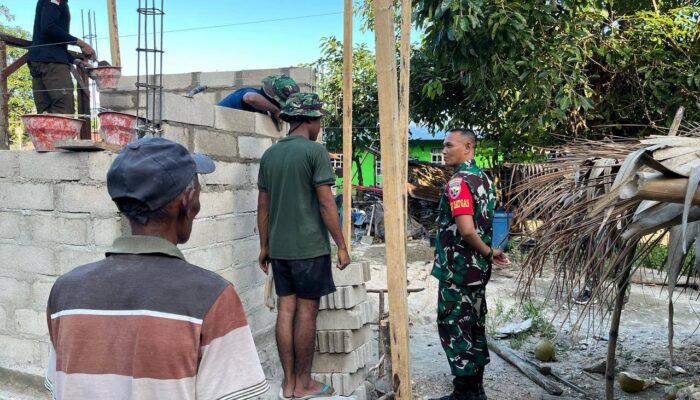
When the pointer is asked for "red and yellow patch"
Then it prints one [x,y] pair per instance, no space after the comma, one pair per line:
[461,201]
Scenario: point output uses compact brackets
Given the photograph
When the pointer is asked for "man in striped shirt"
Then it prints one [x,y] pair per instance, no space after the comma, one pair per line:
[144,323]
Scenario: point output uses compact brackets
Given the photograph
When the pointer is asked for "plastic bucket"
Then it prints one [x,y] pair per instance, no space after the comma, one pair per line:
[46,129]
[117,128]
[501,229]
[106,77]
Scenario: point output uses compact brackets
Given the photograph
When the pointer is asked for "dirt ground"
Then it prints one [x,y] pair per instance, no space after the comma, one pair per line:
[642,344]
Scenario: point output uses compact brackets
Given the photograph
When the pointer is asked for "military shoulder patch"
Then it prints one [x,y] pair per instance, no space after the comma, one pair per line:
[454,187]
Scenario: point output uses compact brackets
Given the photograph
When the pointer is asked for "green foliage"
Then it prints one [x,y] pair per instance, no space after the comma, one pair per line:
[541,327]
[19,84]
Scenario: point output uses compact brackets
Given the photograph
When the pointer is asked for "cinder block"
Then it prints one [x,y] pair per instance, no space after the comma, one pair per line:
[104,231]
[208,96]
[353,318]
[218,79]
[245,250]
[252,77]
[245,201]
[253,171]
[304,77]
[214,258]
[216,203]
[70,257]
[41,288]
[8,163]
[98,165]
[356,273]
[31,322]
[203,234]
[345,384]
[363,391]
[178,134]
[342,362]
[32,259]
[26,196]
[342,341]
[260,318]
[178,108]
[51,165]
[20,353]
[227,173]
[228,119]
[3,319]
[13,291]
[44,228]
[251,147]
[117,100]
[243,277]
[215,143]
[85,199]
[264,126]
[178,81]
[126,84]
[233,227]
[10,225]
[344,297]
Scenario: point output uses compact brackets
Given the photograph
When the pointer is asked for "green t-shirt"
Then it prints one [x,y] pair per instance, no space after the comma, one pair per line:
[290,171]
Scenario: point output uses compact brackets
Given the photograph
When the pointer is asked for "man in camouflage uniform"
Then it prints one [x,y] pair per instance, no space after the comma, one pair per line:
[463,258]
[269,99]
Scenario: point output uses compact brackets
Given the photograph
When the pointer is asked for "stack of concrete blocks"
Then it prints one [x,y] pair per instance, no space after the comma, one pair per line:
[343,346]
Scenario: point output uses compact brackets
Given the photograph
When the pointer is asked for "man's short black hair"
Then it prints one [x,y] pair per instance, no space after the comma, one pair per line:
[465,132]
[298,118]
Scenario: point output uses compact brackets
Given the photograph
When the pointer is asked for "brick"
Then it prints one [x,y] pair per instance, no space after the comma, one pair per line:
[246,276]
[214,258]
[178,81]
[117,100]
[104,231]
[49,229]
[344,297]
[32,259]
[245,201]
[10,225]
[345,384]
[265,127]
[342,341]
[217,79]
[356,273]
[31,322]
[234,227]
[228,119]
[51,165]
[215,143]
[178,108]
[354,318]
[252,148]
[227,173]
[98,165]
[8,163]
[245,250]
[13,291]
[178,134]
[85,198]
[26,196]
[216,203]
[70,257]
[203,234]
[342,362]
[16,352]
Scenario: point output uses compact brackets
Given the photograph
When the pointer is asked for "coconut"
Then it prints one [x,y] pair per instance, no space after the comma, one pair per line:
[544,350]
[630,382]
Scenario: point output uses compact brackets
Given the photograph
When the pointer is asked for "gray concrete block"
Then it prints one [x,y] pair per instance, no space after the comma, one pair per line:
[116,101]
[342,341]
[363,392]
[345,384]
[231,120]
[353,318]
[85,199]
[10,225]
[232,227]
[260,318]
[178,134]
[126,84]
[26,196]
[227,173]
[245,250]
[216,203]
[203,234]
[251,147]
[28,259]
[69,257]
[245,201]
[3,319]
[218,79]
[356,273]
[304,77]
[252,77]
[243,277]
[51,165]
[8,163]
[40,290]
[214,258]
[13,291]
[47,228]
[31,322]
[344,297]
[20,353]
[98,164]
[178,108]
[178,81]
[215,143]
[264,126]
[104,231]
[342,362]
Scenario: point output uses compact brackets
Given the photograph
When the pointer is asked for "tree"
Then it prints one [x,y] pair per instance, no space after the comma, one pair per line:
[19,84]
[365,112]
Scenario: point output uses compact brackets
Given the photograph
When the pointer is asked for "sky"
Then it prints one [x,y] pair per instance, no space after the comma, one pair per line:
[255,43]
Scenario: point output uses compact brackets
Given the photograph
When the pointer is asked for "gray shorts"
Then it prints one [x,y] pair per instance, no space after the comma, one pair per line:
[310,278]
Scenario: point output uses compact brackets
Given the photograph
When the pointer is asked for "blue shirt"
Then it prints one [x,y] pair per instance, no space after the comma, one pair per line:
[235,100]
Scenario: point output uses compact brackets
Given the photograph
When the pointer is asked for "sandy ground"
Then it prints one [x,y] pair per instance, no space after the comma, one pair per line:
[642,346]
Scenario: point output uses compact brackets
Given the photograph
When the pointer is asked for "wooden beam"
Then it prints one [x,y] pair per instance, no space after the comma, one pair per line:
[15,41]
[658,188]
[6,72]
[4,110]
[347,125]
[404,80]
[527,369]
[84,105]
[114,33]
[394,165]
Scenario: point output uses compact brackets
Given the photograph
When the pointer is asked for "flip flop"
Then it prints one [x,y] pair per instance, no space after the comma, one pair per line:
[322,393]
[281,396]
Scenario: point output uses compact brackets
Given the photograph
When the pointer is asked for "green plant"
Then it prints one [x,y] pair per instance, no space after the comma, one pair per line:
[500,316]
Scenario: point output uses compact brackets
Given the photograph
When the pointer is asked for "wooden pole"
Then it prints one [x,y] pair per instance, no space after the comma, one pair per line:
[347,125]
[114,33]
[4,110]
[404,80]
[394,165]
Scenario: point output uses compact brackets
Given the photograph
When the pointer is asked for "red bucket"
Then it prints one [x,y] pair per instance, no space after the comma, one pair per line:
[106,77]
[46,129]
[117,128]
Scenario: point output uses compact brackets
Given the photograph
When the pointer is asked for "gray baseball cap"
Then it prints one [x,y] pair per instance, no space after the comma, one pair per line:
[154,171]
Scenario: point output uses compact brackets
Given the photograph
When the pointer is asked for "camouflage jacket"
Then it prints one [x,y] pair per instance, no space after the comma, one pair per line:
[455,262]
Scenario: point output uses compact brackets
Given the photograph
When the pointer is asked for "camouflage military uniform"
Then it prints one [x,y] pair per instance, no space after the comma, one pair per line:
[279,87]
[303,105]
[463,273]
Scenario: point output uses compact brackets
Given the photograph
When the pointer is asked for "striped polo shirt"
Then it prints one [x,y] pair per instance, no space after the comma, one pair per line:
[145,324]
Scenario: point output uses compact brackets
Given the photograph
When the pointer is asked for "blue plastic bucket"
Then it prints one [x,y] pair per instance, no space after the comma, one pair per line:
[501,229]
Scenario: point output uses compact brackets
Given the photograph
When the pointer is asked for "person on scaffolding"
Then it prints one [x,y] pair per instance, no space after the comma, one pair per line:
[463,261]
[275,90]
[49,60]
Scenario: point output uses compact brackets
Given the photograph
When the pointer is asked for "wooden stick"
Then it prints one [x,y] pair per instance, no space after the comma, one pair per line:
[524,367]
[347,125]
[4,109]
[404,80]
[113,33]
[669,190]
[394,165]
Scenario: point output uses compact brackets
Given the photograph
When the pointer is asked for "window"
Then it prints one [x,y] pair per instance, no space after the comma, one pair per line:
[378,167]
[336,160]
[436,156]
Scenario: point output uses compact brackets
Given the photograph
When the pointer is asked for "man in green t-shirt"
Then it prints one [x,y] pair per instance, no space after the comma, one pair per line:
[296,211]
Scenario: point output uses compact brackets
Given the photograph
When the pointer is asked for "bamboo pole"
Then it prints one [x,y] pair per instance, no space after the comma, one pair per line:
[394,164]
[347,125]
[113,33]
